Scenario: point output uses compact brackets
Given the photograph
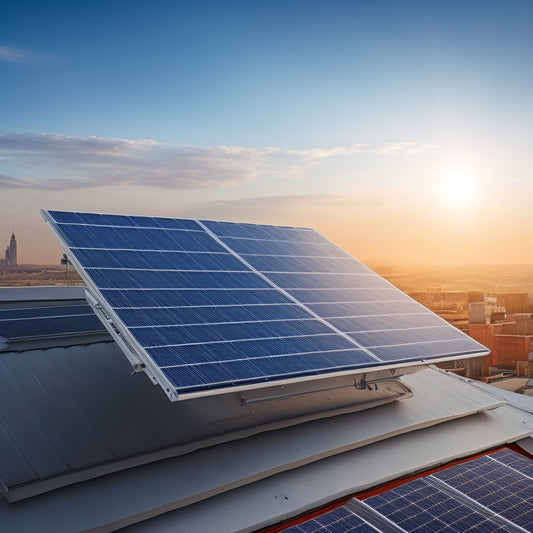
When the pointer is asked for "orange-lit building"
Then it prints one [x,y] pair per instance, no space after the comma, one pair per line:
[509,342]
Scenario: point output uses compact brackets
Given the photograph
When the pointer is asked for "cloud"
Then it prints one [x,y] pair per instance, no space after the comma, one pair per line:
[13,55]
[53,161]
[96,161]
[8,182]
[400,148]
[61,145]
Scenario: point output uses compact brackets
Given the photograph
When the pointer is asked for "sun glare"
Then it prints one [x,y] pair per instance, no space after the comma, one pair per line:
[458,189]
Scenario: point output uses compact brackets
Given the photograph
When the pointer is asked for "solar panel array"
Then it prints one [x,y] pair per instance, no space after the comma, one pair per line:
[493,493]
[339,520]
[211,305]
[31,322]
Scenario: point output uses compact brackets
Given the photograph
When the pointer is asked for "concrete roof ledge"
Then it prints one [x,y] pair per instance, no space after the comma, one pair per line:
[518,401]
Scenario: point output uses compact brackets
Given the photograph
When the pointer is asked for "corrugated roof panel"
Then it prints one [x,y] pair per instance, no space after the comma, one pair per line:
[56,402]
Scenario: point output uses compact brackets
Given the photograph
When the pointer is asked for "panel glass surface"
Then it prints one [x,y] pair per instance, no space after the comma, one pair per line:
[336,287]
[493,493]
[491,481]
[26,323]
[211,305]
[515,461]
[340,520]
[419,506]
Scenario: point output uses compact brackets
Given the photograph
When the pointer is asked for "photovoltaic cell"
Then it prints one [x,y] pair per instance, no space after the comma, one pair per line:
[420,506]
[209,314]
[336,282]
[43,312]
[165,298]
[27,323]
[491,481]
[340,520]
[211,305]
[159,260]
[493,493]
[515,461]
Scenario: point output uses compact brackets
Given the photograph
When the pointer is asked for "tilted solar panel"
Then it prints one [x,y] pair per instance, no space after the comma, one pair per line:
[212,305]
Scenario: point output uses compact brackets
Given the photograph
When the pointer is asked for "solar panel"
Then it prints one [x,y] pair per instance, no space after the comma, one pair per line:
[339,520]
[493,483]
[493,493]
[515,461]
[420,506]
[28,323]
[208,305]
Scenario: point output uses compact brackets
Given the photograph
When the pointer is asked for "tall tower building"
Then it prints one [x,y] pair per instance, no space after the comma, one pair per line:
[12,250]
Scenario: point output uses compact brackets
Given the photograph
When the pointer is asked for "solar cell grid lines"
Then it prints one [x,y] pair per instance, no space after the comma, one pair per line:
[493,493]
[214,305]
[514,460]
[340,520]
[498,486]
[31,322]
[419,506]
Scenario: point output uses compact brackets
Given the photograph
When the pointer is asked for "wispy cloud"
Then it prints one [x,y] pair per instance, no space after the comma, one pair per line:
[13,55]
[399,148]
[96,161]
[8,182]
[53,161]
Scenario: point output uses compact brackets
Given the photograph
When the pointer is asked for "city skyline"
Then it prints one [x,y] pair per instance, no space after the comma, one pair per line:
[398,129]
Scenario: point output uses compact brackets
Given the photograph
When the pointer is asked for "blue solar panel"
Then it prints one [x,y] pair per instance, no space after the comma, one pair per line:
[132,259]
[246,247]
[42,312]
[420,506]
[209,315]
[340,520]
[27,323]
[174,279]
[164,298]
[515,461]
[336,281]
[491,481]
[367,297]
[209,305]
[272,263]
[493,493]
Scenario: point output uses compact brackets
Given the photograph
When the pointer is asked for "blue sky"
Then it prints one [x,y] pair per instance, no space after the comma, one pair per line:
[400,129]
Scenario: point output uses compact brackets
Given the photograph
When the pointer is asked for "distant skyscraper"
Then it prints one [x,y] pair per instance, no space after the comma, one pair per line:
[13,250]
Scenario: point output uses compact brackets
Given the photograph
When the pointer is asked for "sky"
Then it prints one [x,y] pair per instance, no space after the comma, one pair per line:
[399,129]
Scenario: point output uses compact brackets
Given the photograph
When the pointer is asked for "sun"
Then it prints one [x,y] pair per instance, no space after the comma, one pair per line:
[458,189]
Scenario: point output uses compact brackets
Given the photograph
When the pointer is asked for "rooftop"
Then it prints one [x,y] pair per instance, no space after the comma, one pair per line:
[304,381]
[85,445]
